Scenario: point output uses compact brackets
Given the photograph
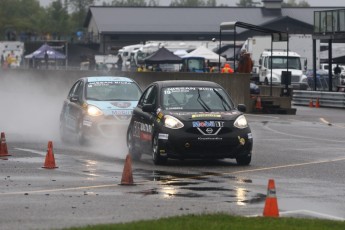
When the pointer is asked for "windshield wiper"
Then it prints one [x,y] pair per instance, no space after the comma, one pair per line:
[202,103]
[224,102]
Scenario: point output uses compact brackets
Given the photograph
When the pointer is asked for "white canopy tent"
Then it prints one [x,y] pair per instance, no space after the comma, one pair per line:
[202,51]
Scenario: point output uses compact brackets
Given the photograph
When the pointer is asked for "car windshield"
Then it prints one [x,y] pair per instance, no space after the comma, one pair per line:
[112,91]
[199,99]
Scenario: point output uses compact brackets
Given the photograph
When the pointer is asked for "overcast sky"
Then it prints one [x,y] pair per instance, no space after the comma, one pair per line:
[329,3]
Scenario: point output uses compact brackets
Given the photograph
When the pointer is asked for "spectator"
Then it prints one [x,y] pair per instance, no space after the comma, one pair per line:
[46,58]
[337,70]
[119,63]
[227,68]
[245,64]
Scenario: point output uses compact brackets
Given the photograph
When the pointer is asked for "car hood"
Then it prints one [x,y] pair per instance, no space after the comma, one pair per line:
[109,107]
[193,116]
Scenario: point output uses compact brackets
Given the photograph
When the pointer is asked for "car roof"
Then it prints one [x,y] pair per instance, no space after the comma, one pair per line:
[182,83]
[107,78]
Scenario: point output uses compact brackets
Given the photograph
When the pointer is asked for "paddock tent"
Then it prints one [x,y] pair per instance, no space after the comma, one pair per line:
[163,56]
[40,52]
[202,51]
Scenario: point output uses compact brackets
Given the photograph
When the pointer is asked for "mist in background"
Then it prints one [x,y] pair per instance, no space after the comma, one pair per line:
[30,112]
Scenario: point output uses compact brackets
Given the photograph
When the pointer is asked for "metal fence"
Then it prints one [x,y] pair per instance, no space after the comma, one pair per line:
[326,99]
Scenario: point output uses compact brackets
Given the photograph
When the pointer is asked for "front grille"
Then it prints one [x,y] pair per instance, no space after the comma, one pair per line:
[295,78]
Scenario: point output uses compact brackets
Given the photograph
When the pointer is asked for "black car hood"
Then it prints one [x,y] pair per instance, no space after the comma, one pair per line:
[193,116]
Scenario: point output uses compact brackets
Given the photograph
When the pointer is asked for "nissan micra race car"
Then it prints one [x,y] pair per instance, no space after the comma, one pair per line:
[186,120]
[98,107]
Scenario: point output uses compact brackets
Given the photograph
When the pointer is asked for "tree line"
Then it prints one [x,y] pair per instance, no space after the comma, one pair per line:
[27,20]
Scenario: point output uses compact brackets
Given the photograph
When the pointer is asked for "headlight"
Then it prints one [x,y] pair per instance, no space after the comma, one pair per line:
[94,111]
[241,122]
[172,122]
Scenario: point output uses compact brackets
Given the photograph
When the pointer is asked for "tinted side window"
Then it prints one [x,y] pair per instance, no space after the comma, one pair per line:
[147,97]
[151,97]
[73,89]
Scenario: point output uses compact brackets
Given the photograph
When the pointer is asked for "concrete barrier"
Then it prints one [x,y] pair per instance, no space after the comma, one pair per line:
[237,85]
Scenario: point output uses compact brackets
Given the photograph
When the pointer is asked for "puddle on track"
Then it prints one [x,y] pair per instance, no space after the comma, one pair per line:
[178,185]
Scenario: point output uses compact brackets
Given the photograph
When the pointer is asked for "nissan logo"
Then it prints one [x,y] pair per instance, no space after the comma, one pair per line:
[209,130]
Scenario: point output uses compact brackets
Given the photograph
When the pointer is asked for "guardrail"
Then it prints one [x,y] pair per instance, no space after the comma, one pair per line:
[326,99]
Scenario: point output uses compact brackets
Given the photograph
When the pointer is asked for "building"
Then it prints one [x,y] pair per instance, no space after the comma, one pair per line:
[114,27]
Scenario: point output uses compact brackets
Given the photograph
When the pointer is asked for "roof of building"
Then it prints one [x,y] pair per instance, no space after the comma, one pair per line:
[187,20]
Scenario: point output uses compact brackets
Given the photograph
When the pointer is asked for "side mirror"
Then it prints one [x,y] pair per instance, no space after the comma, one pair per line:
[242,108]
[148,108]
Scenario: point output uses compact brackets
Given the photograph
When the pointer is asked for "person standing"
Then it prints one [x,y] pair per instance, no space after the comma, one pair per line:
[245,64]
[227,68]
[46,58]
[119,62]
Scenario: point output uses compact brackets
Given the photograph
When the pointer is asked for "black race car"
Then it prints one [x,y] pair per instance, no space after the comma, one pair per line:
[189,119]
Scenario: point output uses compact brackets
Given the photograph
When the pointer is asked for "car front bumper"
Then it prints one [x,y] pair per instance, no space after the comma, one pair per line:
[179,146]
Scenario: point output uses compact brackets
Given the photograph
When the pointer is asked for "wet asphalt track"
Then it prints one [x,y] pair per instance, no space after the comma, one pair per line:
[303,153]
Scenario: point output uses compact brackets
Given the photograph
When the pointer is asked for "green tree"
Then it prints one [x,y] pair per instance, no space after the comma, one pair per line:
[20,16]
[57,19]
[247,3]
[292,3]
[133,3]
[187,3]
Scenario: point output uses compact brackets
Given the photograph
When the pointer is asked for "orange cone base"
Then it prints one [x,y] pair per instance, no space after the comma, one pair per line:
[271,208]
[50,167]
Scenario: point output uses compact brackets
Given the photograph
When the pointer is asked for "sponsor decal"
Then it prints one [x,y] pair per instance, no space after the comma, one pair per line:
[122,112]
[163,136]
[200,124]
[105,83]
[142,131]
[210,138]
[160,115]
[121,104]
[178,89]
[87,123]
[145,136]
[206,115]
[250,136]
[162,152]
[241,140]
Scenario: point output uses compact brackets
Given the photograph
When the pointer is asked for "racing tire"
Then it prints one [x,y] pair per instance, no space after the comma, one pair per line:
[156,158]
[244,160]
[133,151]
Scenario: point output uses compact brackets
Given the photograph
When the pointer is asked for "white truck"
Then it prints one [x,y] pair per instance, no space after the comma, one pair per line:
[272,63]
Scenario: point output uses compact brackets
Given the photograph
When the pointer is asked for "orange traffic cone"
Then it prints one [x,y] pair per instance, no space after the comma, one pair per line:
[271,204]
[317,103]
[258,103]
[49,162]
[127,176]
[311,104]
[3,146]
